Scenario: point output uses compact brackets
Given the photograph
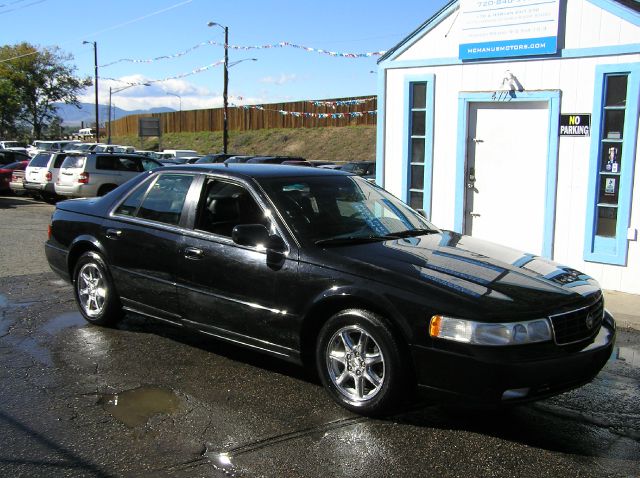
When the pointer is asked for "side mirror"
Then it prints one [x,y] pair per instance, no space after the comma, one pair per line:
[256,234]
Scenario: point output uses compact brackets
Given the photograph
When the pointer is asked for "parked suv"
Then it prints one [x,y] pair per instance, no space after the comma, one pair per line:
[41,175]
[8,156]
[98,173]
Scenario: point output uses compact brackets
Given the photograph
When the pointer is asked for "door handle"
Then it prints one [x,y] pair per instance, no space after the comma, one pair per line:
[193,253]
[113,234]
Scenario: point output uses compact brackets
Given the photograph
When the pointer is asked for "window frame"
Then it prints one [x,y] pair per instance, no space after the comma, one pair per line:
[198,206]
[409,81]
[603,249]
[147,184]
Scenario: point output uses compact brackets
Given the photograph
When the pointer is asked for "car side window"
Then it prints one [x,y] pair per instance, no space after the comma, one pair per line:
[130,205]
[106,162]
[128,164]
[58,161]
[165,199]
[224,205]
[148,165]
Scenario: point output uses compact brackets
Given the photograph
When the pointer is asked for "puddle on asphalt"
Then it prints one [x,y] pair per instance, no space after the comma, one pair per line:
[626,354]
[64,321]
[134,407]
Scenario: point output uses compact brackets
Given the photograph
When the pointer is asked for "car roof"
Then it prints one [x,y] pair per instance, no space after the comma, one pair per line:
[244,170]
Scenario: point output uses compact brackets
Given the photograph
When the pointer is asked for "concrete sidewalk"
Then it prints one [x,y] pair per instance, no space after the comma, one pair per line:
[625,308]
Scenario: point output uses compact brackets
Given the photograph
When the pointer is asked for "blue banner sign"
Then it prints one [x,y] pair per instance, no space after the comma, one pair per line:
[508,28]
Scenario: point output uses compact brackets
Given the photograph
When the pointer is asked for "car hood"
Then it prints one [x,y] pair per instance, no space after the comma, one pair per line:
[492,279]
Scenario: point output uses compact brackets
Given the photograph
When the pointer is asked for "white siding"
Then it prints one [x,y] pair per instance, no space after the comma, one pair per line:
[587,26]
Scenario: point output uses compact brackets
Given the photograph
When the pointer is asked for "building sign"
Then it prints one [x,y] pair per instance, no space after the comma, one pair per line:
[149,127]
[575,125]
[507,28]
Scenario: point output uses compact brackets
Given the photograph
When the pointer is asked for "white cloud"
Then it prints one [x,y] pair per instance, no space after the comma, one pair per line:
[192,96]
[280,80]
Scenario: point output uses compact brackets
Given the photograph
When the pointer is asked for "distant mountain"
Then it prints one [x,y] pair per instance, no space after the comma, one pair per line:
[72,116]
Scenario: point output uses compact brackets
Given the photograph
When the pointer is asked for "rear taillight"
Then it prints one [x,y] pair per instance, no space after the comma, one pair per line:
[49,176]
[49,231]
[83,178]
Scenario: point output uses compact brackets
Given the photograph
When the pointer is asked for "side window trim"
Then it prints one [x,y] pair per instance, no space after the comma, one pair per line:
[602,248]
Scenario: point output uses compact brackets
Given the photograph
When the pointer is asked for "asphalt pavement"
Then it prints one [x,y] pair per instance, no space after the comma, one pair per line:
[146,399]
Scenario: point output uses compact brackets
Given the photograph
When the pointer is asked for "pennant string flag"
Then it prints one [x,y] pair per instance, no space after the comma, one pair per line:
[182,75]
[283,44]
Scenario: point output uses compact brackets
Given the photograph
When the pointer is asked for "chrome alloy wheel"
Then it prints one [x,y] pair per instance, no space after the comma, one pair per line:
[92,290]
[355,363]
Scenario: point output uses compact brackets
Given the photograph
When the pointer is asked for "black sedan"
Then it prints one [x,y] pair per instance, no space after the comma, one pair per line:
[321,267]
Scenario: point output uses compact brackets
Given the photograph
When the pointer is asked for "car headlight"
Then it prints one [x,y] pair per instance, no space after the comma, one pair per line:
[488,333]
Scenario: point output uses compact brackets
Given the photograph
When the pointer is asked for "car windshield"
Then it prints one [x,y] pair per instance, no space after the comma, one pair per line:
[45,146]
[337,210]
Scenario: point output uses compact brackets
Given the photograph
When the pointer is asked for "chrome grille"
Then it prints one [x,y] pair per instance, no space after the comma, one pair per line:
[577,325]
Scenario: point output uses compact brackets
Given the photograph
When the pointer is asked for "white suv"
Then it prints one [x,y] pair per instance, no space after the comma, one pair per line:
[98,173]
[41,175]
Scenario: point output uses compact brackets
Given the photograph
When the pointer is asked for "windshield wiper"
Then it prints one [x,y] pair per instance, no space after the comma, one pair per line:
[337,241]
[410,233]
[364,239]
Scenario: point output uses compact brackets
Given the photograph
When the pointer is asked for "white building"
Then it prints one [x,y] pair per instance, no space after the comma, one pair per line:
[516,121]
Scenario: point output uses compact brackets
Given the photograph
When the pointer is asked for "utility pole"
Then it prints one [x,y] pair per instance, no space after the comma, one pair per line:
[225,98]
[95,67]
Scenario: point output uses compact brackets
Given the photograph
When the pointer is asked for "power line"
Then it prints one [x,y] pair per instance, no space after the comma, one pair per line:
[18,8]
[100,31]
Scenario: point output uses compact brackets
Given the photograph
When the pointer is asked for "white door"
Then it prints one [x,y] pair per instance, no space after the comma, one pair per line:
[507,149]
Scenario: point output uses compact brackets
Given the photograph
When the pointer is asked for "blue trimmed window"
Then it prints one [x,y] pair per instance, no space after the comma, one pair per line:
[418,145]
[417,155]
[613,154]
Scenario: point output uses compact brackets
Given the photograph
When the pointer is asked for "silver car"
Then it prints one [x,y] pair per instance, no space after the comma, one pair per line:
[99,173]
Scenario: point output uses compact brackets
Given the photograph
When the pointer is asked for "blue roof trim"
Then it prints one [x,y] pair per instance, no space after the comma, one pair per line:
[614,7]
[426,27]
[618,9]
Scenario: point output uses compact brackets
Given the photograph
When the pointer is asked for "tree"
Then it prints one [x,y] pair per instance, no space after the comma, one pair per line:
[39,78]
[9,109]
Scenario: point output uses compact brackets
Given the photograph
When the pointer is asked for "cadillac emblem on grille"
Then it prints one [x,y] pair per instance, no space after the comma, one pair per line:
[590,320]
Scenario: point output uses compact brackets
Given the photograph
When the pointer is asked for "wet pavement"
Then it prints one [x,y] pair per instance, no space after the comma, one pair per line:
[148,399]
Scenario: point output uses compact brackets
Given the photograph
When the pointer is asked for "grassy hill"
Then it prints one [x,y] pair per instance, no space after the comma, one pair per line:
[350,143]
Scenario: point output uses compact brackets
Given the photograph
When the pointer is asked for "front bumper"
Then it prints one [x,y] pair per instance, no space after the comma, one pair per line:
[497,376]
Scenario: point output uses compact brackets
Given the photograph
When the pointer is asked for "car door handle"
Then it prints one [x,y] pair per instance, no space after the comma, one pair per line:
[193,253]
[113,234]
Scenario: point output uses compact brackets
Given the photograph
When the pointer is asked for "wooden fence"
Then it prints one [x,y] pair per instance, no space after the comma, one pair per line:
[267,116]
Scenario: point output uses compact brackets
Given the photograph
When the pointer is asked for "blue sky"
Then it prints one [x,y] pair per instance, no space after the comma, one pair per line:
[145,29]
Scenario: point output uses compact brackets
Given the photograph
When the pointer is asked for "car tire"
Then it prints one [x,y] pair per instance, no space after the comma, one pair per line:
[50,198]
[93,288]
[107,188]
[360,362]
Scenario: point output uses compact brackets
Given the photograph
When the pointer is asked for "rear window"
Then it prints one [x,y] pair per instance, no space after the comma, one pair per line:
[40,160]
[73,162]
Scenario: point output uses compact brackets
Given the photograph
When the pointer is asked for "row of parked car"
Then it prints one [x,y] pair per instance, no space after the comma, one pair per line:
[92,169]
